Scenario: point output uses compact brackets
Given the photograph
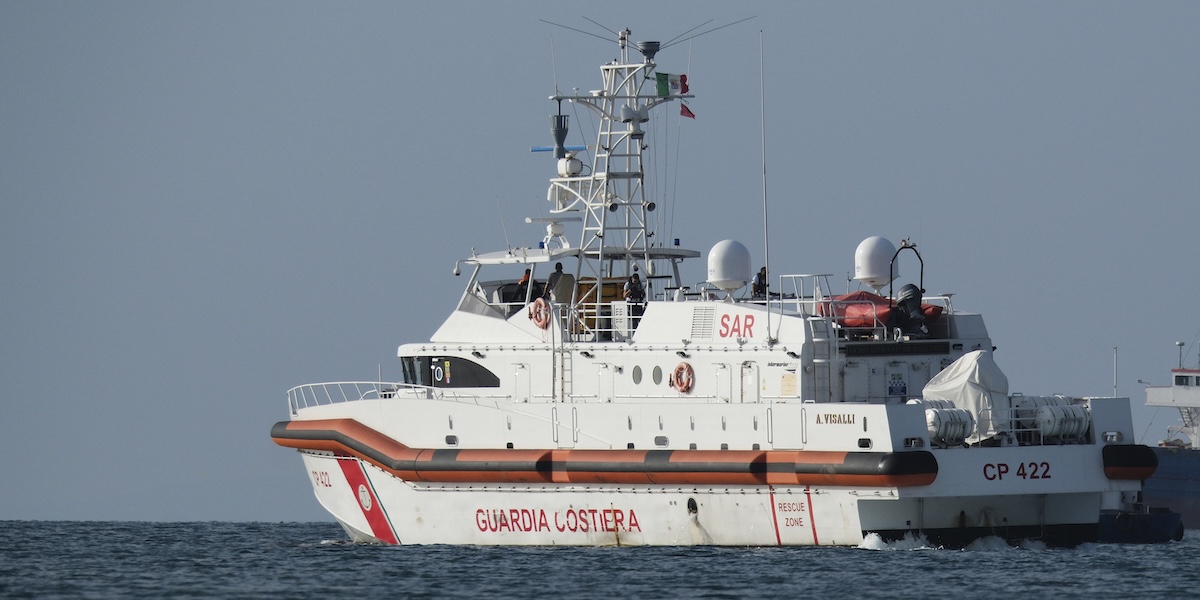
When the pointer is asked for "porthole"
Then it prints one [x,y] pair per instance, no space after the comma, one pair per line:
[637,375]
[657,375]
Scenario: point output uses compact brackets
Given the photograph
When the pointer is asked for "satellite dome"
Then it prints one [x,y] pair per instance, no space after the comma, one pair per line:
[729,265]
[871,262]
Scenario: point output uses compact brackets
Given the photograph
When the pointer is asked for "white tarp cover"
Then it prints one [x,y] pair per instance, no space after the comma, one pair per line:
[976,383]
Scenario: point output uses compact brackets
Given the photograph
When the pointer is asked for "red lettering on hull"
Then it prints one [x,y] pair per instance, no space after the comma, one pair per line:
[534,520]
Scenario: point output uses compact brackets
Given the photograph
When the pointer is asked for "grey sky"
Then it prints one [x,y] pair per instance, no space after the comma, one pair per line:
[204,204]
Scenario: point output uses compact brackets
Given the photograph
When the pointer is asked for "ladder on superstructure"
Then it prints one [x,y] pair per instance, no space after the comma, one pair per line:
[562,364]
[824,352]
[1190,416]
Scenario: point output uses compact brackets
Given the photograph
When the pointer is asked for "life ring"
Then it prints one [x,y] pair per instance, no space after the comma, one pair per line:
[539,313]
[683,378]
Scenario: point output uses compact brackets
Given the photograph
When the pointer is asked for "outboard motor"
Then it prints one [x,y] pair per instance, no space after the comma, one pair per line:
[908,316]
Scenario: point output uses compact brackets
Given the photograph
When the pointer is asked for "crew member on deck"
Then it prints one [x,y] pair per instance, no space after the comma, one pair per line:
[523,285]
[760,284]
[552,280]
[635,295]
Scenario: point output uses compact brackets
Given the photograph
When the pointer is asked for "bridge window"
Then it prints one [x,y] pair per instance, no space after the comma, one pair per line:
[446,372]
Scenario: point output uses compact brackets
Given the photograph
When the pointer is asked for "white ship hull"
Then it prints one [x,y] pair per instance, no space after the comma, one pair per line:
[389,510]
[383,491]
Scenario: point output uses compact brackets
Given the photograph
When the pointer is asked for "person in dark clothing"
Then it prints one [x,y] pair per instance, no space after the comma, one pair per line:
[552,280]
[635,295]
[634,291]
[760,284]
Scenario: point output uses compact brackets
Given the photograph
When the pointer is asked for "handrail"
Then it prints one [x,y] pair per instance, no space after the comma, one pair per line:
[318,394]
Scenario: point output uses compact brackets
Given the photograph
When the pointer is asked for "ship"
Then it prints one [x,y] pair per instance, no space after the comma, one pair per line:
[1175,485]
[1170,498]
[583,392]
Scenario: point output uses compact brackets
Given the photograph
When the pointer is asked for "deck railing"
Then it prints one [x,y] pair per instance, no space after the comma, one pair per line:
[317,394]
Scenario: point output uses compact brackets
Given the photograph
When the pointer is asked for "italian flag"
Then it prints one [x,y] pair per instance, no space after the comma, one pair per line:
[669,85]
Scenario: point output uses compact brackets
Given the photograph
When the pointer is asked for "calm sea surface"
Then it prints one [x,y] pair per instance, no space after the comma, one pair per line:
[45,559]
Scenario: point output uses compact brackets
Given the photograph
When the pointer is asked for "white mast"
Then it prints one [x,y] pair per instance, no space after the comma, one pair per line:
[611,198]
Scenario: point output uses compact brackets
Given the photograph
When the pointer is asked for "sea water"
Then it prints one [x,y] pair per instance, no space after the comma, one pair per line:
[49,559]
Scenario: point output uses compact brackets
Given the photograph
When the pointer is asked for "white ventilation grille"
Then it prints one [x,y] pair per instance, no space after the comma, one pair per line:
[702,322]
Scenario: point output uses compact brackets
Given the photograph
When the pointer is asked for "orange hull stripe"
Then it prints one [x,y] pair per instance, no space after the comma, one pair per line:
[347,437]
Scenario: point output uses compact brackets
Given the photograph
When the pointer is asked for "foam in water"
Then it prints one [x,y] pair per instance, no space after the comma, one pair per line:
[990,542]
[872,541]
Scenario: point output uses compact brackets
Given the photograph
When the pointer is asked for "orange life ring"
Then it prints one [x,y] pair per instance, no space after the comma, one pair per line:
[539,313]
[683,378]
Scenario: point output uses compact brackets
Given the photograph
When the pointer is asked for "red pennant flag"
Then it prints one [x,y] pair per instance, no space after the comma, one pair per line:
[684,111]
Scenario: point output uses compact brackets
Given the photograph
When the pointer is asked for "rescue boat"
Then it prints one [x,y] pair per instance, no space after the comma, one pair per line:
[578,407]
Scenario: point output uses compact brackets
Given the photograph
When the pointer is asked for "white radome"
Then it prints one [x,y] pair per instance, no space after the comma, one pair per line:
[871,262]
[729,265]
